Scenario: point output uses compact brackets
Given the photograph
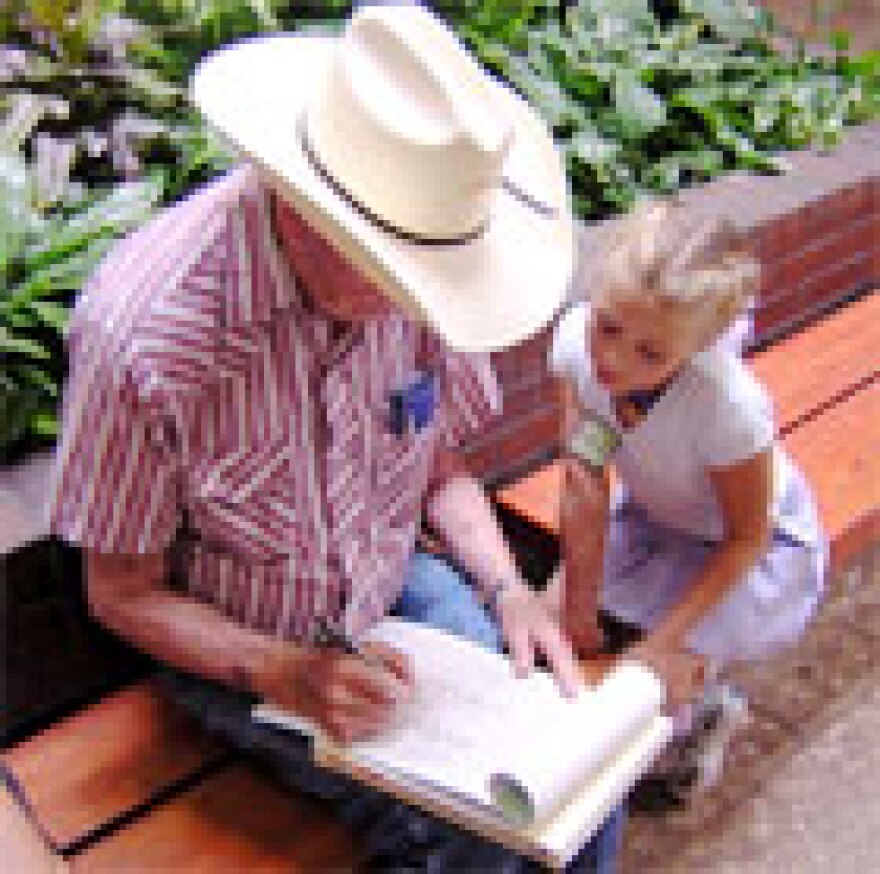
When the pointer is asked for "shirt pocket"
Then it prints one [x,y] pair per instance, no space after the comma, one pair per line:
[400,470]
[247,502]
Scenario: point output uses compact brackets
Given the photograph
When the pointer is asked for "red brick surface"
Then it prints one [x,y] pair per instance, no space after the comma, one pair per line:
[833,282]
[855,235]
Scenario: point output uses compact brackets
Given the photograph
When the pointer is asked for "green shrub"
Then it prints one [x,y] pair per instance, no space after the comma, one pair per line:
[642,104]
[44,261]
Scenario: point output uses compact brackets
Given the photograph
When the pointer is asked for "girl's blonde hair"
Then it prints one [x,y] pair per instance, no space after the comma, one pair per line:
[674,253]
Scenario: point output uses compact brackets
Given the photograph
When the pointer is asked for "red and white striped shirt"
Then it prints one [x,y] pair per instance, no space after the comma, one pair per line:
[201,413]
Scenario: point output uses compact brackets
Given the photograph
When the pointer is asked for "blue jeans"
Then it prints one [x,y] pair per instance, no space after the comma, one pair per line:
[398,838]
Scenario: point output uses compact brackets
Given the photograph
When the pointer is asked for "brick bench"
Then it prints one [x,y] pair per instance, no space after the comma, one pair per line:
[130,784]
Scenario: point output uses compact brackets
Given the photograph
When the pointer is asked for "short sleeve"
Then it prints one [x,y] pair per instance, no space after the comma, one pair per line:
[469,393]
[115,484]
[570,358]
[567,350]
[740,418]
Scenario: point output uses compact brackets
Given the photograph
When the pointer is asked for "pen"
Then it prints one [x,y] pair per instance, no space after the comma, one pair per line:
[336,639]
[332,637]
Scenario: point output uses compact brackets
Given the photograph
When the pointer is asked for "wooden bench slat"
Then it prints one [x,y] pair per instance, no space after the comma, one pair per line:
[106,761]
[535,497]
[839,452]
[818,367]
[234,821]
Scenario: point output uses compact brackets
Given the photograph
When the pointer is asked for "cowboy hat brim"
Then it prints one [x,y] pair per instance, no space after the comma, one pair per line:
[489,293]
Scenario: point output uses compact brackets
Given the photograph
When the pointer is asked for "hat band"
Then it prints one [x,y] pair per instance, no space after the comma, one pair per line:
[532,203]
[363,210]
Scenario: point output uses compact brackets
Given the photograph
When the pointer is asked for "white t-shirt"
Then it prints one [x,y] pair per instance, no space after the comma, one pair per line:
[714,414]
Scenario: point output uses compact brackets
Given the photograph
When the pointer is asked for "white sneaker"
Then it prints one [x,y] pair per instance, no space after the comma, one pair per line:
[694,761]
[724,711]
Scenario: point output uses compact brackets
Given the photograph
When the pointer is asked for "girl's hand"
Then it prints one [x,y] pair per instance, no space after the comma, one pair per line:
[529,629]
[585,635]
[683,672]
[580,623]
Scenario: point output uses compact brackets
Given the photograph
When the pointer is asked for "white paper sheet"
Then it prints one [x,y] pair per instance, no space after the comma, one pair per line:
[472,726]
[471,720]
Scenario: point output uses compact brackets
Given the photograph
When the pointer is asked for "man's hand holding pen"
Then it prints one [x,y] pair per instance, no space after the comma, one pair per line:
[352,693]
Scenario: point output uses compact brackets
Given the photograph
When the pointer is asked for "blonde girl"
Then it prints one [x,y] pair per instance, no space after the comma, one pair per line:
[708,540]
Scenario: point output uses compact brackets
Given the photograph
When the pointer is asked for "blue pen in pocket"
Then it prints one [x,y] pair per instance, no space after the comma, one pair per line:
[413,405]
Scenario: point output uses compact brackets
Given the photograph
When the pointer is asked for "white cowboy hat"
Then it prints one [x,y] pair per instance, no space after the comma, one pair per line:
[434,179]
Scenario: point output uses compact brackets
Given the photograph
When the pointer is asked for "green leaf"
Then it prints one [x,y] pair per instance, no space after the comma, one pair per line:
[618,14]
[54,315]
[44,424]
[17,406]
[545,94]
[637,105]
[589,146]
[735,20]
[15,344]
[23,114]
[36,378]
[122,208]
[117,212]
[60,273]
[841,40]
[19,220]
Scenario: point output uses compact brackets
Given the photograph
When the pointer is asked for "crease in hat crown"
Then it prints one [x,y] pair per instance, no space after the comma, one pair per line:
[409,125]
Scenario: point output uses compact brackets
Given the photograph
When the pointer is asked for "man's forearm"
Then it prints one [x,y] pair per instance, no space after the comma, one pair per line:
[192,637]
[460,512]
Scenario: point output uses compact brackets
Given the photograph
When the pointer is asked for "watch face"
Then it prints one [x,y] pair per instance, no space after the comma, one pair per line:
[594,440]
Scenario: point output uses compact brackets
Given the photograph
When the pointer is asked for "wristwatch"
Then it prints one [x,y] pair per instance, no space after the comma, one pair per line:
[593,442]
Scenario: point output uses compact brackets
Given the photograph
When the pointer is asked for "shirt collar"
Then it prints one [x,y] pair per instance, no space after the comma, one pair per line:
[261,284]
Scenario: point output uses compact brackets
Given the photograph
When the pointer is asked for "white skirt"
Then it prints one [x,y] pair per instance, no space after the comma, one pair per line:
[649,568]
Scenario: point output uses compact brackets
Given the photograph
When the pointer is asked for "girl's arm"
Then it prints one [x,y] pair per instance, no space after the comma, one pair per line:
[745,491]
[584,523]
[584,517]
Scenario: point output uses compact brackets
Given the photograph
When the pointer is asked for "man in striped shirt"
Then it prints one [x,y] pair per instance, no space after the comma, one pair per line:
[227,416]
[228,413]
[254,433]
